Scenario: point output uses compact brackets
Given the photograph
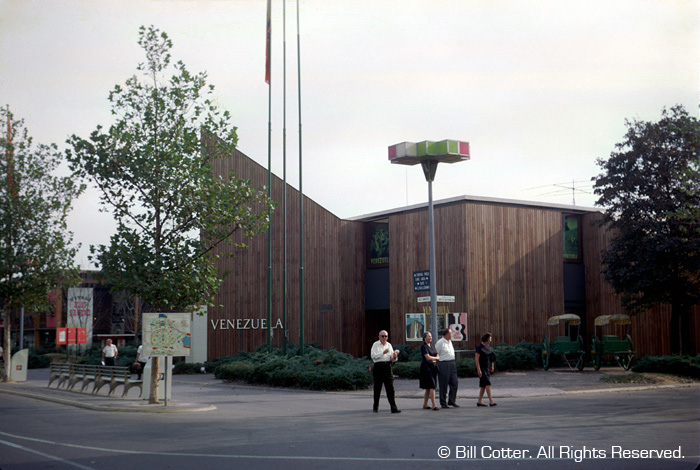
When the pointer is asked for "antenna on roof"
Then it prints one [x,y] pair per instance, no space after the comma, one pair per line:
[566,187]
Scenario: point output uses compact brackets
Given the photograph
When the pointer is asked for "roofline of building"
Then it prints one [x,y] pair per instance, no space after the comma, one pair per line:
[485,200]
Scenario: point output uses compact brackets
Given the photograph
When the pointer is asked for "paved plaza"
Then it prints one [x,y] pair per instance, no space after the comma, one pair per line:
[554,419]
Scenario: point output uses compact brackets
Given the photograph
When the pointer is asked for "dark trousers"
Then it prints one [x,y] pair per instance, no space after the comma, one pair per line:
[383,376]
[447,377]
[109,361]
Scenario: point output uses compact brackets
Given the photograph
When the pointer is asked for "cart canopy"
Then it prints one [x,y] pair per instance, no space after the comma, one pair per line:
[570,317]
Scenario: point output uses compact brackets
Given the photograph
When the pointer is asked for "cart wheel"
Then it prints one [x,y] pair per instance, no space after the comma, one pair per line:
[545,353]
[596,350]
[579,364]
[626,359]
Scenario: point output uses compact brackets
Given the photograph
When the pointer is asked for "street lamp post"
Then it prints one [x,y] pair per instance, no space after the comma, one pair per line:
[429,154]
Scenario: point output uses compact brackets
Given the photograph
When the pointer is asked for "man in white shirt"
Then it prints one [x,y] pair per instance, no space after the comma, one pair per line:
[448,369]
[383,355]
[109,354]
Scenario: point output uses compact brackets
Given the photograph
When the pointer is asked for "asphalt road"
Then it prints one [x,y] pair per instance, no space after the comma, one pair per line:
[257,428]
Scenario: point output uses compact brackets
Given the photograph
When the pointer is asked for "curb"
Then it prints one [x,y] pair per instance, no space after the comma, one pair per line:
[136,408]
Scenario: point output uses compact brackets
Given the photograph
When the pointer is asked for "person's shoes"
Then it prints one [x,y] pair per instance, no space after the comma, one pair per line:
[436,408]
[444,406]
[396,411]
[454,405]
[374,410]
[480,404]
[426,407]
[492,404]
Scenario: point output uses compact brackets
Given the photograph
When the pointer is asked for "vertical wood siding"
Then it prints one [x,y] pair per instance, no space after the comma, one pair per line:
[502,262]
[333,275]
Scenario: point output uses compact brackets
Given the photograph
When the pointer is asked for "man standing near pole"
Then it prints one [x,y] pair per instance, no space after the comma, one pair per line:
[447,369]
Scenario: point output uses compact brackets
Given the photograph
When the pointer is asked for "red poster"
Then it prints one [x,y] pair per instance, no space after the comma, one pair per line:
[61,336]
[82,335]
[72,335]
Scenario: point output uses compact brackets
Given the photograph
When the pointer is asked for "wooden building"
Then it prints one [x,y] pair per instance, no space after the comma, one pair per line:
[510,265]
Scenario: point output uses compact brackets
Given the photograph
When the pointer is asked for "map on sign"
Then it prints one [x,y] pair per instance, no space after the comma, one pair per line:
[166,334]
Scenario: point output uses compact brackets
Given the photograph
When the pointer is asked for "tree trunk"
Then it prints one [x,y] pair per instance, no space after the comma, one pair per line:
[687,336]
[674,333]
[155,376]
[7,347]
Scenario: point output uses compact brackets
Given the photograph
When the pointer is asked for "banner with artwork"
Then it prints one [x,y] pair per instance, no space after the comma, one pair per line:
[80,310]
[458,323]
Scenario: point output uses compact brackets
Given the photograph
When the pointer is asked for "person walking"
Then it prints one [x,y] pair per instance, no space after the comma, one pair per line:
[447,370]
[485,359]
[428,370]
[383,355]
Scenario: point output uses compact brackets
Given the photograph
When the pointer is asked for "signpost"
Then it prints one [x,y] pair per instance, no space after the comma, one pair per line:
[166,335]
[429,154]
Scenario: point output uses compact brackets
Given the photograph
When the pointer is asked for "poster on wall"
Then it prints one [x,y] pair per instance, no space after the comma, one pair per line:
[415,326]
[440,325]
[80,310]
[458,323]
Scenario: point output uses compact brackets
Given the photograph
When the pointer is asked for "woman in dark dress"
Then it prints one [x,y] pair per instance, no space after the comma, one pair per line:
[428,370]
[485,359]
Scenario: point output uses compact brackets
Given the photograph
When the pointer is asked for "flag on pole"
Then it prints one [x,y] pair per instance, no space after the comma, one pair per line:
[267,46]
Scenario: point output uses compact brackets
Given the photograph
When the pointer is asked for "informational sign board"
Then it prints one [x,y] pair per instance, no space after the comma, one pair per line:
[421,281]
[166,334]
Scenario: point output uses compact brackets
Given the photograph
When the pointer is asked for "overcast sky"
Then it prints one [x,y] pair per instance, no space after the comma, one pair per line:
[540,89]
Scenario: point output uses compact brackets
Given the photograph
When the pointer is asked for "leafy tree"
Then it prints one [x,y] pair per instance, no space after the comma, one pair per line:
[651,189]
[156,176]
[35,251]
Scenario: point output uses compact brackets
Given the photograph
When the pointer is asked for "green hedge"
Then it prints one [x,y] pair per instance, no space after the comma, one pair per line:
[687,366]
[522,356]
[316,370]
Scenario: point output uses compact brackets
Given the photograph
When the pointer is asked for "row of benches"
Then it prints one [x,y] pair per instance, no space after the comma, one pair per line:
[98,376]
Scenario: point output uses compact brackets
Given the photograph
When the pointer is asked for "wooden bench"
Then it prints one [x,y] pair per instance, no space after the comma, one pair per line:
[99,376]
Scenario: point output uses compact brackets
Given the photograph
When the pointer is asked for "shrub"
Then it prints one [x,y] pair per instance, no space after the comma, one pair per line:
[408,352]
[38,359]
[688,366]
[316,370]
[242,370]
[189,368]
[522,356]
[407,370]
[466,367]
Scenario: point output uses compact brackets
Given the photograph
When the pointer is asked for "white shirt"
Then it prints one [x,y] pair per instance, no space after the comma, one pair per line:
[377,352]
[445,349]
[140,356]
[110,351]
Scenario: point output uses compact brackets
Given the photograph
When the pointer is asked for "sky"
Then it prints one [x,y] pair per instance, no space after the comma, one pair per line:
[540,89]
